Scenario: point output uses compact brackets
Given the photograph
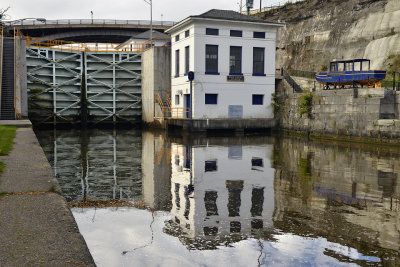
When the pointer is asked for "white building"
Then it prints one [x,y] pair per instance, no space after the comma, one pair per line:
[221,190]
[233,58]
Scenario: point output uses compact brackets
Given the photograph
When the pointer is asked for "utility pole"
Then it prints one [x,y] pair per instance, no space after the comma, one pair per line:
[150,2]
[240,6]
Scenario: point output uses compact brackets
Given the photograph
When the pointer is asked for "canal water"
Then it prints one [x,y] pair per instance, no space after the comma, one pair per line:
[148,199]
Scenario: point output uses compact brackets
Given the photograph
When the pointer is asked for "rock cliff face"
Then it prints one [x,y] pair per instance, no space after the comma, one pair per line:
[318,31]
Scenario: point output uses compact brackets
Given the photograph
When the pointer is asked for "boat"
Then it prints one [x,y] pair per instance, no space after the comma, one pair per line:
[350,72]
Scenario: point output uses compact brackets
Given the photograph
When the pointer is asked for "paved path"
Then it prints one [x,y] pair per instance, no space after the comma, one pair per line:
[36,225]
[18,123]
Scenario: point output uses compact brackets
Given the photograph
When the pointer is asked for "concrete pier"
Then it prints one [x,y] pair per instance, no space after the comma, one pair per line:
[203,125]
[37,227]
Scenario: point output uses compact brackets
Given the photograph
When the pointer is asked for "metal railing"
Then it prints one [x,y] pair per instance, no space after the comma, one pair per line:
[34,22]
[302,73]
[83,47]
[168,111]
[291,82]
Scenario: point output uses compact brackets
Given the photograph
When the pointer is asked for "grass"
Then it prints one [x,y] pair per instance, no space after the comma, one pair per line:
[1,167]
[7,134]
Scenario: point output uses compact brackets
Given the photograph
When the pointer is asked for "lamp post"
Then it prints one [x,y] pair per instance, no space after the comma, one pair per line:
[150,2]
[249,5]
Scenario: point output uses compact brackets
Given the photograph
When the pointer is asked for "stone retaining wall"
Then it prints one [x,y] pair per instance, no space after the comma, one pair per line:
[359,112]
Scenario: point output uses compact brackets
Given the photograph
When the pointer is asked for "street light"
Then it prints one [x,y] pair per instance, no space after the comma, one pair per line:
[150,2]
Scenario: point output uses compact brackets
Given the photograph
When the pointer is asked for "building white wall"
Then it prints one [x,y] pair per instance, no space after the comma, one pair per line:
[229,93]
[228,169]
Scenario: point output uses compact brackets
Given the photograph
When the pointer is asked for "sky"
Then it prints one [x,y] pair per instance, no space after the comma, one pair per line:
[171,10]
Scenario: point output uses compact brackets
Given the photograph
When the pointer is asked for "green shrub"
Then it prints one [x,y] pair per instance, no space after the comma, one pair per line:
[276,103]
[305,103]
[394,64]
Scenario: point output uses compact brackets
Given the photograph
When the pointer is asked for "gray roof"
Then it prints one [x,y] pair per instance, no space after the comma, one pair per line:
[228,15]
[146,35]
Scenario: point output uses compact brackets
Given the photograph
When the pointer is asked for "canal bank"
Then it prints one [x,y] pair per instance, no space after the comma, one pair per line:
[37,227]
[353,114]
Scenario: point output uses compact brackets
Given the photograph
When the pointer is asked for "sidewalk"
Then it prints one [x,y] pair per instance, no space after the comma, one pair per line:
[36,225]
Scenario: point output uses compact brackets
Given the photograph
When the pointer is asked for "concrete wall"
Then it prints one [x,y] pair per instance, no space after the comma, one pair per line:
[1,66]
[229,93]
[156,75]
[362,112]
[21,93]
[156,171]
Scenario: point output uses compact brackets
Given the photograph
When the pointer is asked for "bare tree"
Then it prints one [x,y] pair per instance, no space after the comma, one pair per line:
[3,13]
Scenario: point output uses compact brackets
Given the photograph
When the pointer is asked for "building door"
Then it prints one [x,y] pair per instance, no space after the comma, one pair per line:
[187,106]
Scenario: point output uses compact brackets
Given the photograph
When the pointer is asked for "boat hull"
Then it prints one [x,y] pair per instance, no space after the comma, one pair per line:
[351,77]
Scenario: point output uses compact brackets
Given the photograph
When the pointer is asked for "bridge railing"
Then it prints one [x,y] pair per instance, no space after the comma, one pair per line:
[35,22]
[82,47]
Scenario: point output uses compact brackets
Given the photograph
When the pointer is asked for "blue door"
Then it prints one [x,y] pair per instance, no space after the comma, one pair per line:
[187,105]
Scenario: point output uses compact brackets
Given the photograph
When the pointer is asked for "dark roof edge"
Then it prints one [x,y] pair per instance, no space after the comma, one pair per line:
[186,20]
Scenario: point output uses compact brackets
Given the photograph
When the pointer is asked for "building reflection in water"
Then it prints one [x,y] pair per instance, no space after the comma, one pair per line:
[318,203]
[220,193]
[226,190]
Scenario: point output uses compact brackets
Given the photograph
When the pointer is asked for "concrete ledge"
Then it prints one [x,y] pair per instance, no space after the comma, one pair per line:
[199,125]
[18,123]
[37,226]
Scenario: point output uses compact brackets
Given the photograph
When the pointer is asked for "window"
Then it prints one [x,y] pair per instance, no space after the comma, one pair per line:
[235,33]
[210,231]
[211,99]
[210,203]
[235,188]
[176,38]
[177,197]
[176,99]
[258,61]
[210,165]
[187,33]
[235,227]
[235,60]
[260,35]
[210,31]
[257,224]
[258,99]
[212,59]
[187,59]
[257,162]
[177,63]
[257,202]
